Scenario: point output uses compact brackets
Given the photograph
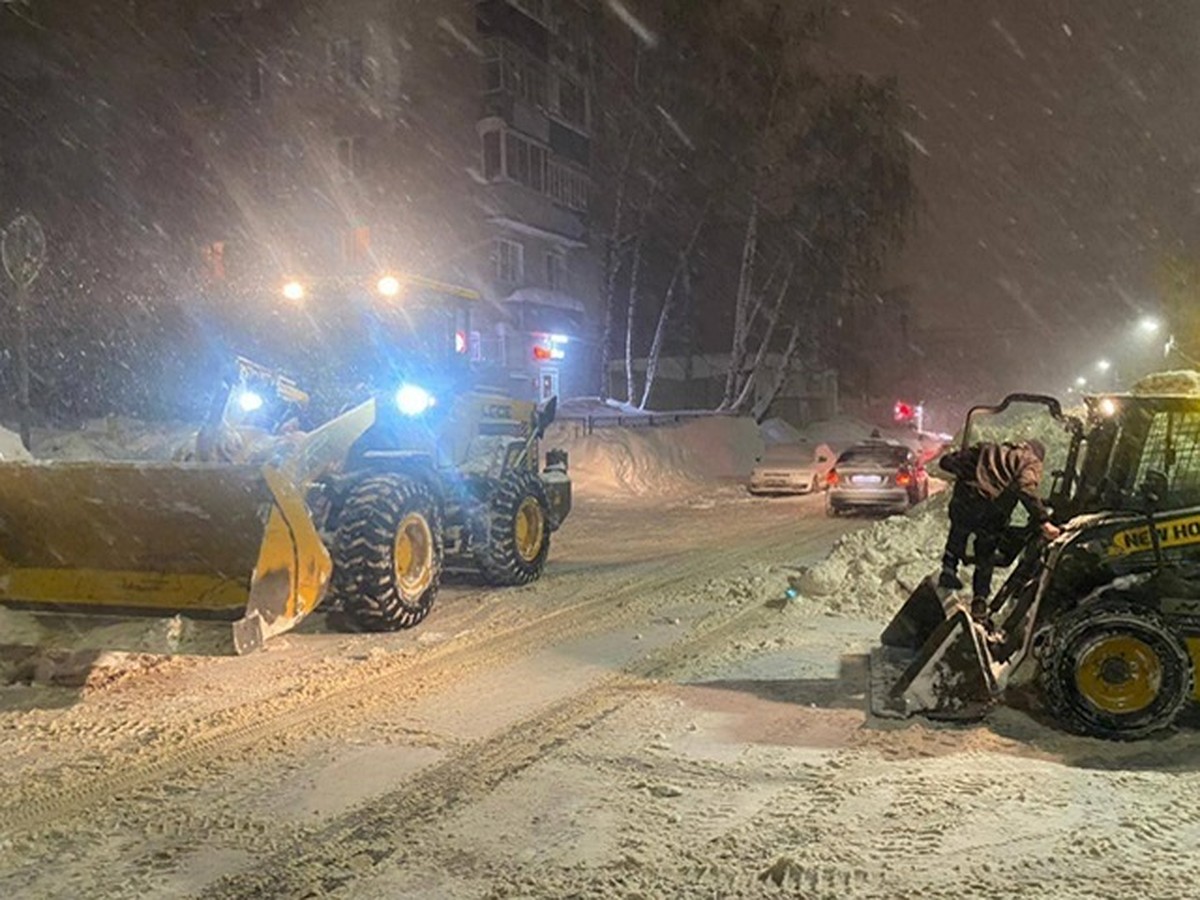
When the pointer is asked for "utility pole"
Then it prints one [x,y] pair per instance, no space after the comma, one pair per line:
[23,252]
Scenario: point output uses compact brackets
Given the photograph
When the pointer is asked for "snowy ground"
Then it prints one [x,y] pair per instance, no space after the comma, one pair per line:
[652,719]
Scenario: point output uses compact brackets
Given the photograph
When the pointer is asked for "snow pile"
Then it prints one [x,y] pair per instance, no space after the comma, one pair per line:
[11,449]
[1182,381]
[116,439]
[841,430]
[871,572]
[662,460]
[778,431]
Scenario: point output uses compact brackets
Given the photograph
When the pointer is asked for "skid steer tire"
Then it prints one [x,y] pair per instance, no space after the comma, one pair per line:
[513,531]
[387,554]
[1116,671]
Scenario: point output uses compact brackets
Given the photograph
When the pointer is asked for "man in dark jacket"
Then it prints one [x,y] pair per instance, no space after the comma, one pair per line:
[990,480]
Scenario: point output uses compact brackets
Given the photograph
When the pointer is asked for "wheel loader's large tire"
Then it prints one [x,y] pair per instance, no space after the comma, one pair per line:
[387,554]
[1115,671]
[513,537]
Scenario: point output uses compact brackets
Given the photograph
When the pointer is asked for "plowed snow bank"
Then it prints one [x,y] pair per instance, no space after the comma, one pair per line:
[660,460]
[871,572]
[1182,381]
[115,439]
[11,448]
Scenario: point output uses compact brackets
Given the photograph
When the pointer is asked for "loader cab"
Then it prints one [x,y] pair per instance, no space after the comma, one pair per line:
[1131,441]
[1024,416]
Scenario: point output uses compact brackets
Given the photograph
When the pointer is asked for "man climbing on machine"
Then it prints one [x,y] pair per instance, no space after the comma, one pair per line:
[990,479]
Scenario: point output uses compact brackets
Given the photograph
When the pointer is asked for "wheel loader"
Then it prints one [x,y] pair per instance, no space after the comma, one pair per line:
[1102,622]
[263,521]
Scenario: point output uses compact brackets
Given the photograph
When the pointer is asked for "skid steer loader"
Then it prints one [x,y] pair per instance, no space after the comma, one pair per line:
[264,521]
[1104,620]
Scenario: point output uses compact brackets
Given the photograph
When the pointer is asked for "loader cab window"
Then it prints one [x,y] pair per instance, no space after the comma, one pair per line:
[1172,446]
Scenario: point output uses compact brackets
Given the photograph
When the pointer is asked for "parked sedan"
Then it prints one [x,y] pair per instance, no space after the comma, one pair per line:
[879,476]
[791,469]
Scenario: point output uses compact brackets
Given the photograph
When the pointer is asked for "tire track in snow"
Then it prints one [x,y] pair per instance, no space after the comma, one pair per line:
[357,694]
[337,855]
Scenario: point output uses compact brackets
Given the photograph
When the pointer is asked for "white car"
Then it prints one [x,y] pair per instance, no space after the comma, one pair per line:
[792,469]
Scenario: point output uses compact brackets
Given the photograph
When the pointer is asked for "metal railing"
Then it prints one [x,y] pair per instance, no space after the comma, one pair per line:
[588,424]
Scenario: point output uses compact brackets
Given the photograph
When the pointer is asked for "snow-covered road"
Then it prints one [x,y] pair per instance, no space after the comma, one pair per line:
[652,719]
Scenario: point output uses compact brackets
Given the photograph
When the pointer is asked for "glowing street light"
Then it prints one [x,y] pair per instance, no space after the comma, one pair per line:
[1149,325]
[388,286]
[293,290]
[1080,382]
[1103,365]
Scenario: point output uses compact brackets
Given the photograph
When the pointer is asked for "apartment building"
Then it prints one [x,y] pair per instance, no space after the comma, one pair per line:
[331,142]
[449,140]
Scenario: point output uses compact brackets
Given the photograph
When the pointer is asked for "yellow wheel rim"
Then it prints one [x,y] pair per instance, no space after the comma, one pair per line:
[530,529]
[412,556]
[1119,674]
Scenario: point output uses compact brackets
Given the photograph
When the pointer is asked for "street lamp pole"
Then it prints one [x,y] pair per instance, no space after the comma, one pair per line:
[1173,347]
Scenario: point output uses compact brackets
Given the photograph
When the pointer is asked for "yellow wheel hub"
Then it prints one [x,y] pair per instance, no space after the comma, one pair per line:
[1119,674]
[412,556]
[530,529]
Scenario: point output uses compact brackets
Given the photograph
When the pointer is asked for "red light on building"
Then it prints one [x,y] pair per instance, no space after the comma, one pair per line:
[545,354]
[460,342]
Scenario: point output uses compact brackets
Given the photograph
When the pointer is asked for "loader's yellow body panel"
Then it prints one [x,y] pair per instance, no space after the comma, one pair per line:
[233,544]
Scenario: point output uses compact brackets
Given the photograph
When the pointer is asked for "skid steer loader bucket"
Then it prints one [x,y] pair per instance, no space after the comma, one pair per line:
[932,659]
[166,558]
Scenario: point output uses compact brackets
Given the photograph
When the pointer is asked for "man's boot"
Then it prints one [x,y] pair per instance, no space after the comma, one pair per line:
[949,580]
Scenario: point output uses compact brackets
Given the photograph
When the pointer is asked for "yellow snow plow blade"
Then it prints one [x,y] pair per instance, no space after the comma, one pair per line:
[206,558]
[231,544]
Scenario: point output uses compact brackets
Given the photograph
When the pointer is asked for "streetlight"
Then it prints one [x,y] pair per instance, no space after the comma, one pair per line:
[388,286]
[1149,325]
[293,290]
[1080,382]
[1103,365]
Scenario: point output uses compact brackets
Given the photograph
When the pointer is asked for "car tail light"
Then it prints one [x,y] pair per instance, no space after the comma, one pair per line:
[903,478]
[832,477]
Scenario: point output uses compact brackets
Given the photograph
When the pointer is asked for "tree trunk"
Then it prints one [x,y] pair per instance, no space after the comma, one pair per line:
[612,266]
[635,268]
[785,369]
[764,344]
[664,314]
[741,306]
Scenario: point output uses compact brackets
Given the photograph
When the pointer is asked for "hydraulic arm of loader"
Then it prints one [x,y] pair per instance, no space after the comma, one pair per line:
[228,555]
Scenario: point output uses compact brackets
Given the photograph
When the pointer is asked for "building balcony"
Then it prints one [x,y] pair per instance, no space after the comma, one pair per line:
[499,18]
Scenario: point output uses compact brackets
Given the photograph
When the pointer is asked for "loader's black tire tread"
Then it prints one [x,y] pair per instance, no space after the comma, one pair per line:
[365,584]
[1057,679]
[495,540]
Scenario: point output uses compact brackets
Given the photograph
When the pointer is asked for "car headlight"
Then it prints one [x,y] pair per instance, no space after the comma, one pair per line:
[413,400]
[249,401]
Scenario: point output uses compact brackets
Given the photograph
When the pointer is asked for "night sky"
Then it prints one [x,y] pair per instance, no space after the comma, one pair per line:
[1058,156]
